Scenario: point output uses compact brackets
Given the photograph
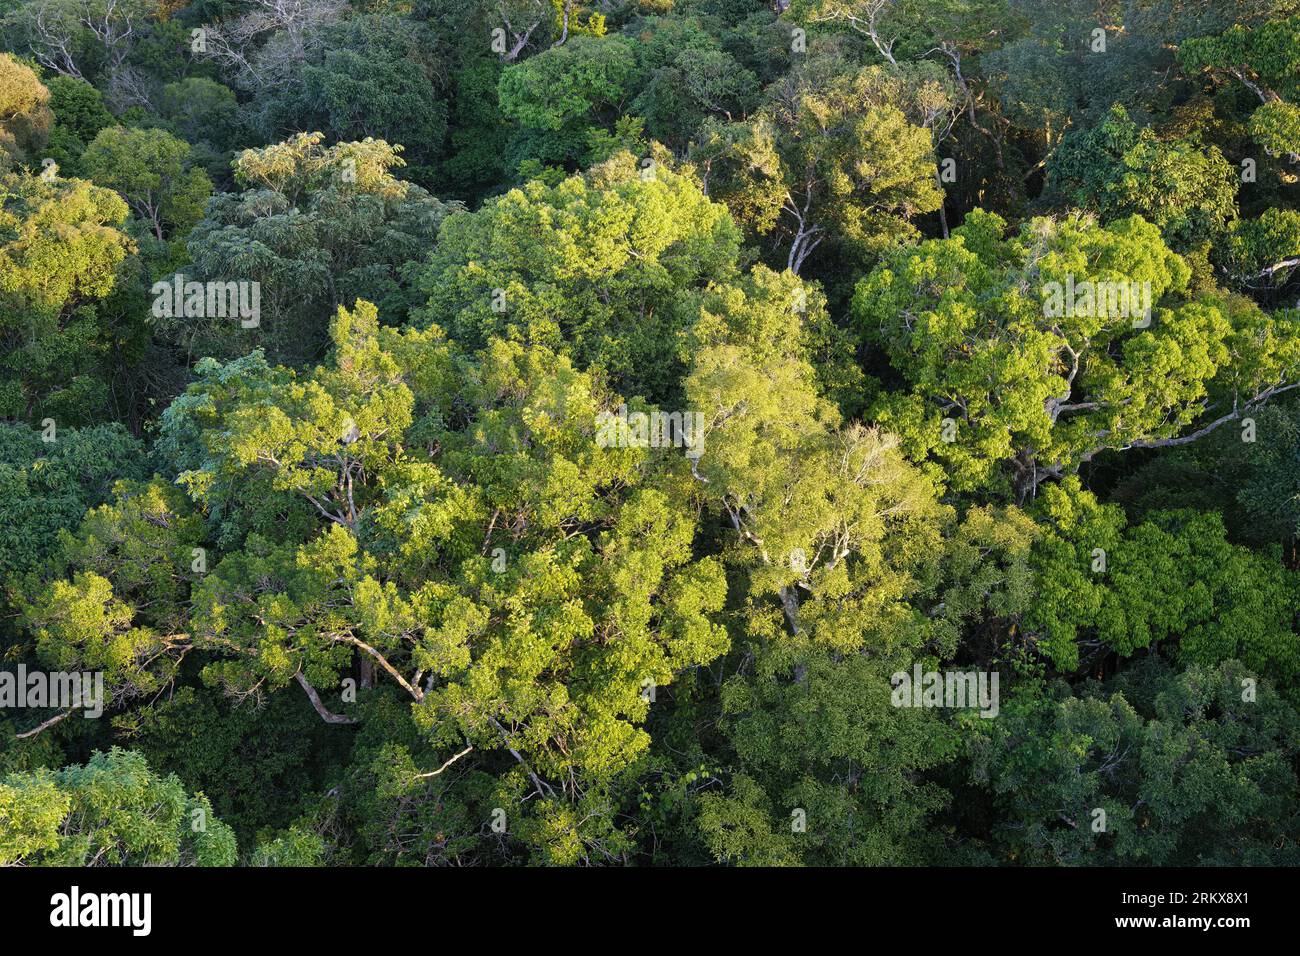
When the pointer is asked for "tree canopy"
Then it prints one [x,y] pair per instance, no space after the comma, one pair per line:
[649,433]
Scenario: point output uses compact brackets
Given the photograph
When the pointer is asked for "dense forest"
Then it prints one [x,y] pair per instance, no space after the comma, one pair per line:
[649,432]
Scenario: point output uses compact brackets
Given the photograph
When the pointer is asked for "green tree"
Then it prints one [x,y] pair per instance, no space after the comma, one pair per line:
[46,487]
[1117,170]
[535,655]
[314,226]
[61,249]
[559,95]
[1262,59]
[609,266]
[207,115]
[79,115]
[151,170]
[1155,768]
[112,811]
[686,77]
[1174,578]
[1011,381]
[831,156]
[25,117]
[372,76]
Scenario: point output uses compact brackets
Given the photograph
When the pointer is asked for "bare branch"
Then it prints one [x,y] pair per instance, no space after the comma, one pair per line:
[325,714]
[40,728]
[450,761]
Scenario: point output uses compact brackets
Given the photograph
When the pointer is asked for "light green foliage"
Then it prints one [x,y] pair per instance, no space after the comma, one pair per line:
[293,848]
[1265,60]
[777,463]
[1266,52]
[113,811]
[833,155]
[151,170]
[1276,127]
[123,607]
[567,83]
[548,655]
[60,251]
[832,529]
[1259,253]
[608,267]
[739,829]
[971,324]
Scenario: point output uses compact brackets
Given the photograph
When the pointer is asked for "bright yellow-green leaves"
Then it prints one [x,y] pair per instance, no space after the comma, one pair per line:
[1022,366]
[607,268]
[805,496]
[31,809]
[831,157]
[301,164]
[61,250]
[124,610]
[25,117]
[449,521]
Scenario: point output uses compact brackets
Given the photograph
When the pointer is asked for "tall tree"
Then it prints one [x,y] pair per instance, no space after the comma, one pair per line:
[1030,355]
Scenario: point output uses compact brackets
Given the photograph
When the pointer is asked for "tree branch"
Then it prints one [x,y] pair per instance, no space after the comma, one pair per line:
[40,728]
[325,714]
[450,761]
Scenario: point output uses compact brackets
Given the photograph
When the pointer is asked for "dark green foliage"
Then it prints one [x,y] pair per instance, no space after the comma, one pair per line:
[47,487]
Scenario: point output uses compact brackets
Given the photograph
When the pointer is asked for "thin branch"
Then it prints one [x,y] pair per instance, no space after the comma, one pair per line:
[47,725]
[452,760]
[542,786]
